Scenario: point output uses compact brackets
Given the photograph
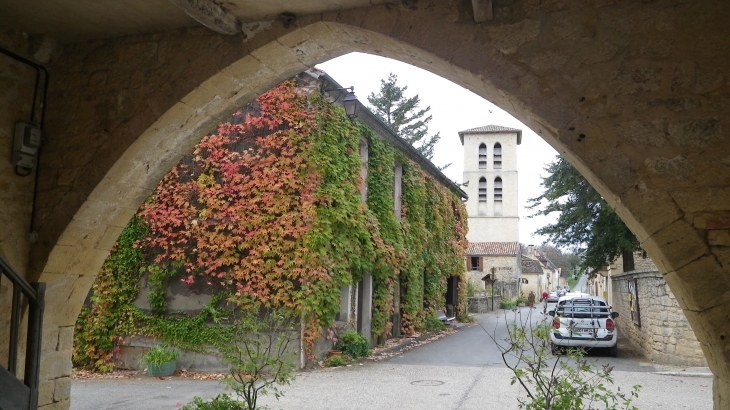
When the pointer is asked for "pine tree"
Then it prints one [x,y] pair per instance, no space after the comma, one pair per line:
[585,222]
[404,116]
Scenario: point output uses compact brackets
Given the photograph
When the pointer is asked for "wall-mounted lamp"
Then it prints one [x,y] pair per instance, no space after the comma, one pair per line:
[464,184]
[349,103]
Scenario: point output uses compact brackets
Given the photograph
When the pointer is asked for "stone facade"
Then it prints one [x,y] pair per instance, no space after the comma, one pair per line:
[502,259]
[483,304]
[660,330]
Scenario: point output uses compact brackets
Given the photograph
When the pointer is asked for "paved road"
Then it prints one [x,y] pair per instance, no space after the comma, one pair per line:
[461,371]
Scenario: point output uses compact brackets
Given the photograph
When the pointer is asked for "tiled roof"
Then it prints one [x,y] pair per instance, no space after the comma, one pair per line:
[493,248]
[491,129]
[530,265]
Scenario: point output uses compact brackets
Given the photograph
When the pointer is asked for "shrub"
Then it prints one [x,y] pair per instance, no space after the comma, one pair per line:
[220,402]
[507,304]
[353,344]
[464,318]
[160,354]
[432,323]
[334,361]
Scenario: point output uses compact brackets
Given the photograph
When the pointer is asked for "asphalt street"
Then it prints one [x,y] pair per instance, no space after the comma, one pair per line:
[461,371]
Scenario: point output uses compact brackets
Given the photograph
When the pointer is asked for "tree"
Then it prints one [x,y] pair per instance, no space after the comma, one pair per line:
[403,115]
[259,356]
[586,223]
[566,380]
[567,261]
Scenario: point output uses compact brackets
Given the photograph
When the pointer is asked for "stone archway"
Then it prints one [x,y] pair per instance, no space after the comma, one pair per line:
[650,136]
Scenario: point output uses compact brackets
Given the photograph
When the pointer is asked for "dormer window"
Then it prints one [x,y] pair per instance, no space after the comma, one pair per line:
[482,189]
[497,156]
[482,156]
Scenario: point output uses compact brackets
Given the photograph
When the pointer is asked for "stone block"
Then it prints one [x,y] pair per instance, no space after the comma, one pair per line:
[718,237]
[279,59]
[65,338]
[45,394]
[55,364]
[508,38]
[678,243]
[63,389]
[700,285]
[702,200]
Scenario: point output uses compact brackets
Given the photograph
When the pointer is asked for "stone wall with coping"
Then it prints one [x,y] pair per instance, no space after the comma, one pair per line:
[483,304]
[664,336]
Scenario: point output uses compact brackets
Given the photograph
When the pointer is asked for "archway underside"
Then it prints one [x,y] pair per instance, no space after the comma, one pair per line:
[639,109]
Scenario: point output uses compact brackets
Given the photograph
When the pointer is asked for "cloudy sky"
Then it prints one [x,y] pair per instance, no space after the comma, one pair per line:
[454,109]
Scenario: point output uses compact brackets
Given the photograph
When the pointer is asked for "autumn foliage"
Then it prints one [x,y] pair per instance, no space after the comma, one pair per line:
[267,211]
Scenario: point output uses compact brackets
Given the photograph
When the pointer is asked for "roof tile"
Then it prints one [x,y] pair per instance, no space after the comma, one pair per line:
[493,248]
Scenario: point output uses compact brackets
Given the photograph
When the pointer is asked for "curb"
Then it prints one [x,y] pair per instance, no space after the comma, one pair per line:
[684,374]
[405,343]
[410,341]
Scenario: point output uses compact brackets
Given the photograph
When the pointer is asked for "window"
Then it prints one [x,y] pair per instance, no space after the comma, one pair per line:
[482,189]
[498,196]
[497,156]
[475,263]
[498,189]
[482,156]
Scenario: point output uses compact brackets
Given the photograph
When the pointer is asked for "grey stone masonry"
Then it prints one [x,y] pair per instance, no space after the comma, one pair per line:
[658,327]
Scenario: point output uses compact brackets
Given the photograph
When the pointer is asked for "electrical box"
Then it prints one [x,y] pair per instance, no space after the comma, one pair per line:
[25,144]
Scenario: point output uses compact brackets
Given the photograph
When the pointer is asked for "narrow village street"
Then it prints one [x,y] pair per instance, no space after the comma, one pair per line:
[461,371]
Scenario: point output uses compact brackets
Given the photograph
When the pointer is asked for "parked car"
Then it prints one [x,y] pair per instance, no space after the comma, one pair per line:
[561,292]
[584,321]
[552,297]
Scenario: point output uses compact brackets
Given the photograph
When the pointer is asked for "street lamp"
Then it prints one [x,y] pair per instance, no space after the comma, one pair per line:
[349,103]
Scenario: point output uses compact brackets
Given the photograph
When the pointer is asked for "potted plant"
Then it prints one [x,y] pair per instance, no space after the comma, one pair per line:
[161,360]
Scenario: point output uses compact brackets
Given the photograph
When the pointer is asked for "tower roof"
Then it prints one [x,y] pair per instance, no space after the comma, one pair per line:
[491,129]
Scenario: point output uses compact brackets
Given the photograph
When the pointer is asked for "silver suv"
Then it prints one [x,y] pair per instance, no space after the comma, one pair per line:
[584,321]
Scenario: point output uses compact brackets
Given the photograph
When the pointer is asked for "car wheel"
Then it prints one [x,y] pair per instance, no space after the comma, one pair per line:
[555,349]
[613,351]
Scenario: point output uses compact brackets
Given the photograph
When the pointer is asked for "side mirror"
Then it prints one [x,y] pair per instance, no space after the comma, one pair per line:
[614,315]
[551,312]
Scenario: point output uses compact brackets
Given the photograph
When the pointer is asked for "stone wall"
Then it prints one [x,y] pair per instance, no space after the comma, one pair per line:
[483,304]
[664,334]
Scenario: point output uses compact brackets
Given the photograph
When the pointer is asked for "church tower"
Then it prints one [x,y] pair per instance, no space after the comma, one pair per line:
[490,167]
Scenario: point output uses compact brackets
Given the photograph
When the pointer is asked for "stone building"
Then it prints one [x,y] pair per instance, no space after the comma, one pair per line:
[537,271]
[490,178]
[495,261]
[357,307]
[649,314]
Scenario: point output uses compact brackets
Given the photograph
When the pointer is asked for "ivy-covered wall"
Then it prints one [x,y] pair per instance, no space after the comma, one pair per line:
[266,212]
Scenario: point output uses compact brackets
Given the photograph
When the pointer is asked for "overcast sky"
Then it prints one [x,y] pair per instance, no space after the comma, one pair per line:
[454,109]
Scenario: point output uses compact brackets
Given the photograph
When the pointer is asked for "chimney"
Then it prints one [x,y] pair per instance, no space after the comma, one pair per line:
[530,250]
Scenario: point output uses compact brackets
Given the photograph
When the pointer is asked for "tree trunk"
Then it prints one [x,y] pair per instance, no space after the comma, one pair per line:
[628,257]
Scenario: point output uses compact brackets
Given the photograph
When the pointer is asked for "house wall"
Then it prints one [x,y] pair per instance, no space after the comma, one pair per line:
[507,270]
[664,334]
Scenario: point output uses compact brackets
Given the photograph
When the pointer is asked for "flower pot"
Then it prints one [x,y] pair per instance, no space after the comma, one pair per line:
[162,369]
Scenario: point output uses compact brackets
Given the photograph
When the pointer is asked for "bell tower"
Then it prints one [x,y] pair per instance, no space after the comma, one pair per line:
[490,167]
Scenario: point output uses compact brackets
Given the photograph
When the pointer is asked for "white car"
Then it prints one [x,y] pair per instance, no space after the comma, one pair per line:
[584,321]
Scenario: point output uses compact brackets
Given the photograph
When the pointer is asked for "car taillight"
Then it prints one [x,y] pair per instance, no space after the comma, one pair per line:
[609,324]
[556,323]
